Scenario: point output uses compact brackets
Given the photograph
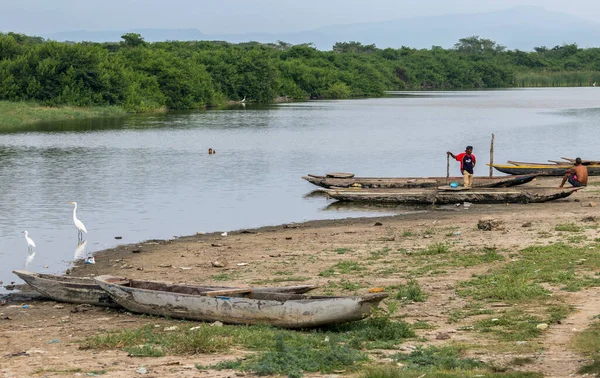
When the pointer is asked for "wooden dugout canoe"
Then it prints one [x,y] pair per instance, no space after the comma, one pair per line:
[426,196]
[255,306]
[542,169]
[415,182]
[68,289]
[83,290]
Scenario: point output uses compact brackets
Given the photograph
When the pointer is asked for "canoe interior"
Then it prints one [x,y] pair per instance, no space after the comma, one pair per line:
[202,290]
[258,293]
[415,182]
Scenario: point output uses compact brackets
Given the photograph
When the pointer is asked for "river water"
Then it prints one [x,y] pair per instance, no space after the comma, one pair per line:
[150,177]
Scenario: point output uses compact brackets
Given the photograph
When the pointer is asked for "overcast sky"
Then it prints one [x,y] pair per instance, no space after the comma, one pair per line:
[242,16]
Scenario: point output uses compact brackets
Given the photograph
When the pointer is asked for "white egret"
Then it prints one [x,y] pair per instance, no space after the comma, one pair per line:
[30,243]
[79,224]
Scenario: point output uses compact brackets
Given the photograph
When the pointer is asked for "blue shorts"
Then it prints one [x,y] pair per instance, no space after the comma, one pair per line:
[574,181]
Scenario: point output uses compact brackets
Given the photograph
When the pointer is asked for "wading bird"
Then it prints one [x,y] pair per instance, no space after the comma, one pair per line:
[79,224]
[30,243]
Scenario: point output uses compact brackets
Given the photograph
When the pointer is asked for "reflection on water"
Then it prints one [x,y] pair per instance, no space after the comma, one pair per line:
[80,252]
[150,177]
[318,193]
[29,259]
[376,207]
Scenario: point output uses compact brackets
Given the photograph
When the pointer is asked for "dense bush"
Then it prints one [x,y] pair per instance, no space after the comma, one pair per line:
[140,76]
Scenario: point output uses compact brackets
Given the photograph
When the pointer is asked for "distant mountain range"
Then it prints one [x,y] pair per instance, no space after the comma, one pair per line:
[520,28]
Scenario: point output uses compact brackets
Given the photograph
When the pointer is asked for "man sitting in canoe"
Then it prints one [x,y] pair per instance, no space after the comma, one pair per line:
[467,164]
[577,176]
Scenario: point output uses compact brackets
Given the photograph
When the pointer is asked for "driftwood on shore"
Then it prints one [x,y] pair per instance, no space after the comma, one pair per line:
[426,196]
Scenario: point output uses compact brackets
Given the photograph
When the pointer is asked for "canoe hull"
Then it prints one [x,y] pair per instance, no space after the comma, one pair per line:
[67,289]
[546,170]
[270,308]
[80,290]
[427,196]
[415,182]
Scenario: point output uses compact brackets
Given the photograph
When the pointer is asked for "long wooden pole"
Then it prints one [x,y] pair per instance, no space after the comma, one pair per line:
[492,156]
[447,167]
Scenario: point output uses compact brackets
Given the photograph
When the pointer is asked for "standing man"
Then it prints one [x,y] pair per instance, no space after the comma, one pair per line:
[577,176]
[467,164]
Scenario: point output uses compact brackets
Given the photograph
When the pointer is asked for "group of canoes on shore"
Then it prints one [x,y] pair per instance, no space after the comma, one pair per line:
[448,190]
[285,306]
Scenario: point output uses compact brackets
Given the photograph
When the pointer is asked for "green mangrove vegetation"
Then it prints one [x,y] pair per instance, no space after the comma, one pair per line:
[138,76]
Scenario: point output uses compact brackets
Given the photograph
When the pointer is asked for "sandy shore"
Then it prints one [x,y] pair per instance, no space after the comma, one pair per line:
[43,339]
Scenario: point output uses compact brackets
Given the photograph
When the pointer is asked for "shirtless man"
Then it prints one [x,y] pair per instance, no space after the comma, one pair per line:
[577,176]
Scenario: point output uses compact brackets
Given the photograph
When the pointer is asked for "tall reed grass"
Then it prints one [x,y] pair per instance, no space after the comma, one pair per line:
[557,79]
[19,115]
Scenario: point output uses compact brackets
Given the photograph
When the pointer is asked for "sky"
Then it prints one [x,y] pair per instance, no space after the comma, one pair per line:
[243,16]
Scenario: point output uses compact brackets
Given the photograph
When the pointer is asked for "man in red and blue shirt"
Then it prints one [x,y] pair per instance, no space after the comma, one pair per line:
[467,165]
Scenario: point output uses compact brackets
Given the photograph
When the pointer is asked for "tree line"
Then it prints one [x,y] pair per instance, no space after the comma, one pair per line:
[141,76]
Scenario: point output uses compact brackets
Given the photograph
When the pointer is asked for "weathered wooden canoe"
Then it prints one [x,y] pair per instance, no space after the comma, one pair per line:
[415,182]
[254,306]
[542,169]
[67,289]
[83,290]
[426,196]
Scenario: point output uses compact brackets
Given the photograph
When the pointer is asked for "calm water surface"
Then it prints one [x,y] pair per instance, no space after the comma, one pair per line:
[150,177]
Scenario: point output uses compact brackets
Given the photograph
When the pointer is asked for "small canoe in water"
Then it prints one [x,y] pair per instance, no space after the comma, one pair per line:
[427,196]
[415,182]
[83,290]
[250,306]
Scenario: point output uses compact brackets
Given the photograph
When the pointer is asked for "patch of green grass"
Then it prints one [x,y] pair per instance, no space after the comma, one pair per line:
[568,227]
[421,324]
[222,277]
[341,251]
[466,260]
[433,358]
[587,342]
[409,292]
[408,234]
[521,361]
[512,325]
[576,239]
[151,342]
[146,341]
[434,249]
[375,255]
[556,264]
[343,267]
[293,361]
[387,371]
[471,309]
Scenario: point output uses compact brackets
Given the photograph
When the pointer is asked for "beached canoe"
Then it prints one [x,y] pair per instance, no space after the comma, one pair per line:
[83,290]
[249,306]
[68,289]
[542,169]
[442,196]
[415,182]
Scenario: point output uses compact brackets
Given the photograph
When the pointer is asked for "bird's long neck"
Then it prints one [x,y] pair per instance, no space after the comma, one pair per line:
[75,212]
